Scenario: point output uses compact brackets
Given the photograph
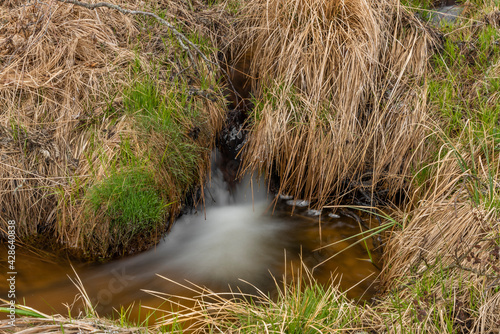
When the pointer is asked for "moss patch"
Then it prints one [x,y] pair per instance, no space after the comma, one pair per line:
[130,200]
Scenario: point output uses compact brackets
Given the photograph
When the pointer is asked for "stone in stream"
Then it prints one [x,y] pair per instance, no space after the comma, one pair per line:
[314,213]
[446,14]
[300,203]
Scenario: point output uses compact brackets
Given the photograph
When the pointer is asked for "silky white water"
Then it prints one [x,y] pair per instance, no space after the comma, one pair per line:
[236,240]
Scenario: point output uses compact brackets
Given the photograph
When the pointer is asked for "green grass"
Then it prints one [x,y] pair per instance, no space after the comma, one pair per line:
[130,199]
[170,114]
[308,310]
[21,312]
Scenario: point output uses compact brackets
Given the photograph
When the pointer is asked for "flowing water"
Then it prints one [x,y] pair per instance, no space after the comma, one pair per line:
[239,236]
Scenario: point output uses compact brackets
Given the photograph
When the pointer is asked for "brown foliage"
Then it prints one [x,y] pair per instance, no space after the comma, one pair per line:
[339,94]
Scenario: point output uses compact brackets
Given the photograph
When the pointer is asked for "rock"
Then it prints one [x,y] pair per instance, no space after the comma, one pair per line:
[446,14]
[314,213]
[300,203]
[286,197]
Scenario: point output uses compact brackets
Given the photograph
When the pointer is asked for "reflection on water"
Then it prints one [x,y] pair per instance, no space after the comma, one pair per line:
[236,237]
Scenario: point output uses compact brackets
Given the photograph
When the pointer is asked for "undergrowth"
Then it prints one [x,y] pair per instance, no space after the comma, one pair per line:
[114,127]
[397,101]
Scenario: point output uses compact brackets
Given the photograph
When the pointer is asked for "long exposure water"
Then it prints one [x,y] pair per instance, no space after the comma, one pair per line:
[239,236]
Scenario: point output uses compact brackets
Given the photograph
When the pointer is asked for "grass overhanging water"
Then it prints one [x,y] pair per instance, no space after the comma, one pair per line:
[424,122]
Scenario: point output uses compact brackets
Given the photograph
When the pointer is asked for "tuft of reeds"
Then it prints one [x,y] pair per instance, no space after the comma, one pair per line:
[338,93]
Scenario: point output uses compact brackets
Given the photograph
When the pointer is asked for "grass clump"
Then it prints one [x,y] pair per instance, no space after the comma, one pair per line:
[130,200]
[86,97]
[299,306]
[347,102]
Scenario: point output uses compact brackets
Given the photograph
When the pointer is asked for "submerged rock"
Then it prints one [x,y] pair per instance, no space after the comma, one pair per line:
[300,203]
[285,197]
[314,213]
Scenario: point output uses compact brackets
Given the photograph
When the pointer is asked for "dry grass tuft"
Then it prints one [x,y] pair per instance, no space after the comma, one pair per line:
[300,305]
[338,94]
[446,258]
[59,64]
[64,125]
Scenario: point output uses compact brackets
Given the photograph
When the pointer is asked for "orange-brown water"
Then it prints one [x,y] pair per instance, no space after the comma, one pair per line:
[236,237]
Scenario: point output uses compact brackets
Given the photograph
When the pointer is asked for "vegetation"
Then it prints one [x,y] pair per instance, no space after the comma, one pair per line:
[335,119]
[376,96]
[131,203]
[106,124]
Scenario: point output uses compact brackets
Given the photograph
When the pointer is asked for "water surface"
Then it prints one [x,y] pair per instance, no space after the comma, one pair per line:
[237,237]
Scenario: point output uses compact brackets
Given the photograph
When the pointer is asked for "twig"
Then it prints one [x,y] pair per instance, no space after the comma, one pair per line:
[183,40]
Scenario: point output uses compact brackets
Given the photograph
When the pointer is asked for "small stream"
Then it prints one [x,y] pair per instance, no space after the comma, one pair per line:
[239,235]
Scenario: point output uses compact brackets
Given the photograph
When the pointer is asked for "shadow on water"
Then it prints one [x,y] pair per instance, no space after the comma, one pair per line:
[235,237]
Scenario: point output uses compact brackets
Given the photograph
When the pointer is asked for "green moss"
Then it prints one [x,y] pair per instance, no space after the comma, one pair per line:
[129,199]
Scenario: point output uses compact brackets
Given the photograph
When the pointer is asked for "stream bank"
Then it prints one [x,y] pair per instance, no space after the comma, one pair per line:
[441,272]
[241,239]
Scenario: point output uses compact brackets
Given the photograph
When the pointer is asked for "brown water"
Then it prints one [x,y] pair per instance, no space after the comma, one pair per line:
[237,237]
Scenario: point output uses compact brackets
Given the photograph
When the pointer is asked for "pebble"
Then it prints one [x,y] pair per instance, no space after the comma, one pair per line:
[300,203]
[285,197]
[313,213]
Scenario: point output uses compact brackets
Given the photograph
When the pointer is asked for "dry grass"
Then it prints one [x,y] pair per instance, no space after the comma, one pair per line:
[64,70]
[443,266]
[54,59]
[338,93]
[63,325]
[442,271]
